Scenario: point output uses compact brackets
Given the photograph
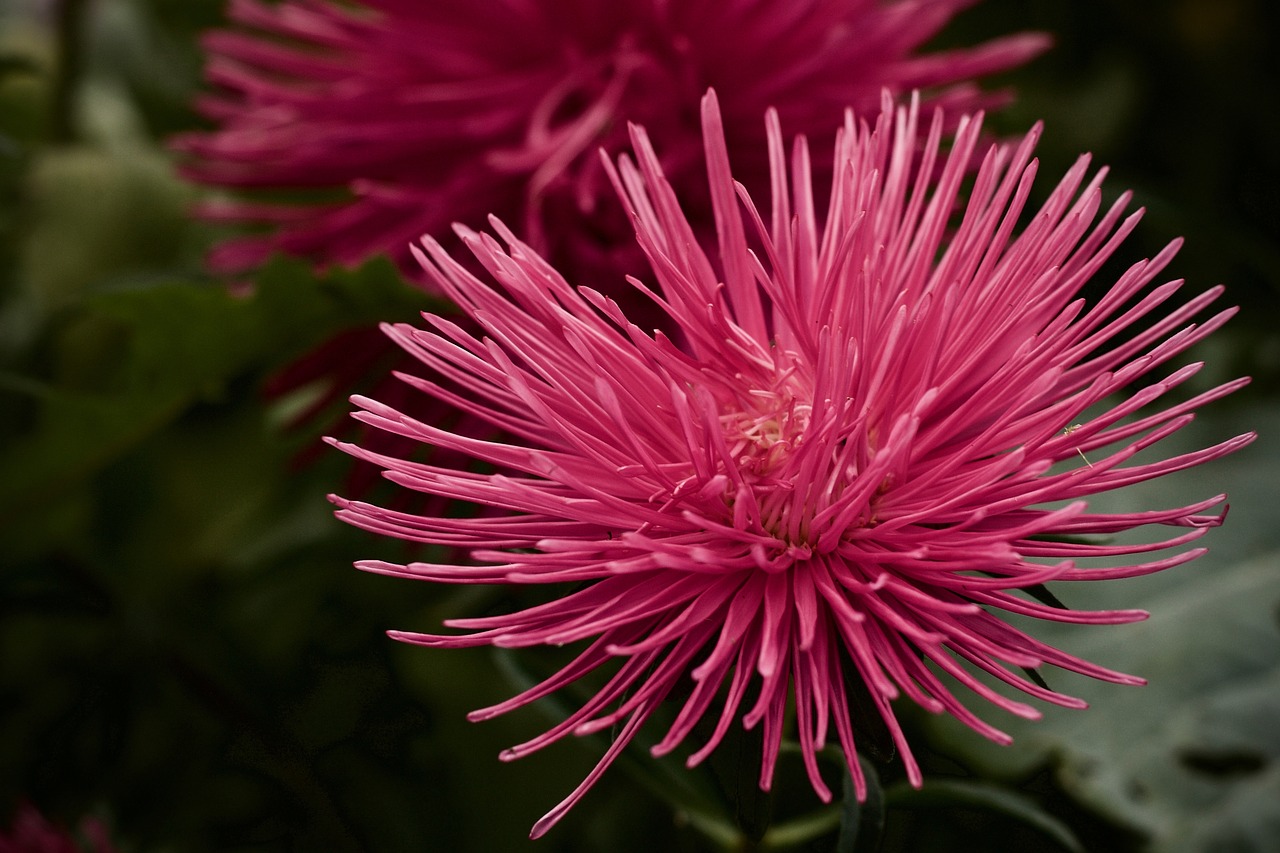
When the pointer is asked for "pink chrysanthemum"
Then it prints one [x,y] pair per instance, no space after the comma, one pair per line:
[420,114]
[873,433]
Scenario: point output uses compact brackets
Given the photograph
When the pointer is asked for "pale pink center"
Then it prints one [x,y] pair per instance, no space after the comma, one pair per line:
[763,434]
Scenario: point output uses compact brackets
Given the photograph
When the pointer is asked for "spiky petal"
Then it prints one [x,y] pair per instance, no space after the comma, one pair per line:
[873,430]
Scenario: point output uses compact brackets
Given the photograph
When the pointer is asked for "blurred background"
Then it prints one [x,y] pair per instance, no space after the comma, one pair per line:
[187,656]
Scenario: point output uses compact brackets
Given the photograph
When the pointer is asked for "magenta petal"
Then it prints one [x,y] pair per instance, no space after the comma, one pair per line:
[869,436]
[416,115]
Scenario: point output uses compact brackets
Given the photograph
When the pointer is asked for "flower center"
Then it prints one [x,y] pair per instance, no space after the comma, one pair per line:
[763,434]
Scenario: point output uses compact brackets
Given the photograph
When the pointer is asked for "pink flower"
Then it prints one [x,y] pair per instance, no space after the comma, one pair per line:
[416,114]
[872,430]
[32,832]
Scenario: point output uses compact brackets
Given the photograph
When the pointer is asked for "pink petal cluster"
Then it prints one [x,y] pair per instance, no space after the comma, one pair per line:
[871,431]
[417,114]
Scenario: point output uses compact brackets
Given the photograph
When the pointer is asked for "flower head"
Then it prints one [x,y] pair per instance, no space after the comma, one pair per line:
[418,114]
[871,433]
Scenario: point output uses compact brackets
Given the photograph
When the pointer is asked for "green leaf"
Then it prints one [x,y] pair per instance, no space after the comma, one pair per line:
[973,794]
[1190,757]
[1193,759]
[131,360]
[95,218]
[861,824]
[130,364]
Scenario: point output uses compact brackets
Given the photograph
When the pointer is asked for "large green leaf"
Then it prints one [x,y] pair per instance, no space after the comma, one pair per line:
[1193,758]
[130,360]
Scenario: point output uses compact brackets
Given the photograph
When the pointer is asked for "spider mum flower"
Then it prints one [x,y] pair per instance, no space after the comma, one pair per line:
[423,113]
[874,432]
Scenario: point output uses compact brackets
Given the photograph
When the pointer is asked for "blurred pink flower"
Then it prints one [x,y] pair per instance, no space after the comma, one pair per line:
[408,115]
[874,429]
[32,832]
